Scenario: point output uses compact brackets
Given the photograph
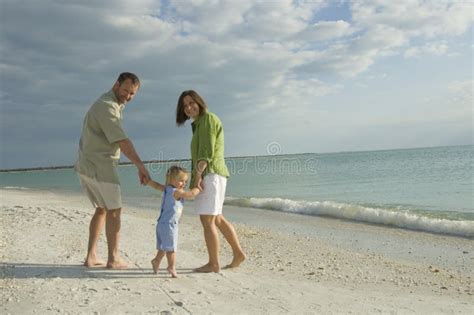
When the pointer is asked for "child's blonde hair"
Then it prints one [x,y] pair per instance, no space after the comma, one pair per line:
[174,171]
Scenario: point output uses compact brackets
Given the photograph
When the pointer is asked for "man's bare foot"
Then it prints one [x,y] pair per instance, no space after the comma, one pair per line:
[236,261]
[119,264]
[208,268]
[172,271]
[155,265]
[89,263]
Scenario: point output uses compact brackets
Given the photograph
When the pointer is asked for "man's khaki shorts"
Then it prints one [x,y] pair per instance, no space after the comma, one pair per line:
[101,194]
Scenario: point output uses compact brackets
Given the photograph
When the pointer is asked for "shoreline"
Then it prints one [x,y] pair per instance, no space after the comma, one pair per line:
[387,218]
[295,264]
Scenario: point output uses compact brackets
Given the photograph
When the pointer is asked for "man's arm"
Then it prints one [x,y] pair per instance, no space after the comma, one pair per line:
[127,148]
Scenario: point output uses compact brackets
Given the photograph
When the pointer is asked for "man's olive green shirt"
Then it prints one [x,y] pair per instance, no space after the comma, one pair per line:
[208,144]
[99,151]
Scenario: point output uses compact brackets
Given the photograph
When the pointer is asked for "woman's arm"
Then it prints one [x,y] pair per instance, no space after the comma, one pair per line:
[190,194]
[200,168]
[205,146]
[156,185]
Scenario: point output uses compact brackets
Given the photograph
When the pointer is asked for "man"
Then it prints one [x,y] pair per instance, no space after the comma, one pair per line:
[101,141]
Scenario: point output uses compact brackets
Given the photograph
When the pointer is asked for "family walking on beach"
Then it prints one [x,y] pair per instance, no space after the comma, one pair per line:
[102,140]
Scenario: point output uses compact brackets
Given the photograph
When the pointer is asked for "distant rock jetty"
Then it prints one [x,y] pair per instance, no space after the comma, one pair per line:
[46,168]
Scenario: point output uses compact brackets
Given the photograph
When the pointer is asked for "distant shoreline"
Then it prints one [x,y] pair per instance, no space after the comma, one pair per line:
[64,167]
[44,168]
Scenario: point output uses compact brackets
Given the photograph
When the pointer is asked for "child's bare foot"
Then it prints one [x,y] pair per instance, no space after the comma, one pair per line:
[208,268]
[118,264]
[93,262]
[236,261]
[155,265]
[172,271]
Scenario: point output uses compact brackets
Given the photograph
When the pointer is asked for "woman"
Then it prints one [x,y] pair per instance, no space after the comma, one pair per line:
[209,173]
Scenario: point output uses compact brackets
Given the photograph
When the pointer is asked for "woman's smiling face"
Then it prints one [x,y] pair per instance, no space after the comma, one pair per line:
[191,108]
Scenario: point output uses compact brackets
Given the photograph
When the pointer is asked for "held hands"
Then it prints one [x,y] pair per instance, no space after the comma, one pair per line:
[196,190]
[200,168]
[198,183]
[143,175]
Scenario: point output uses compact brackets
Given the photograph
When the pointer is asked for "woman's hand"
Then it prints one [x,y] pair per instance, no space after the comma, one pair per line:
[200,168]
[198,183]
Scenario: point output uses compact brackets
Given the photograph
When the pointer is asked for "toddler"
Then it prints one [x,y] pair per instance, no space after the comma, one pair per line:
[171,210]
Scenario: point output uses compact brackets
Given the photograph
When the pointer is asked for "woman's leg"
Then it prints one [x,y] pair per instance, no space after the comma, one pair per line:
[212,243]
[227,229]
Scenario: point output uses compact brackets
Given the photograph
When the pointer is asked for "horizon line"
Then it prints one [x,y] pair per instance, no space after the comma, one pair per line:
[41,168]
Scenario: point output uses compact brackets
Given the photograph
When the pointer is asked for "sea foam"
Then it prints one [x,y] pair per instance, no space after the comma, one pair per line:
[14,188]
[401,219]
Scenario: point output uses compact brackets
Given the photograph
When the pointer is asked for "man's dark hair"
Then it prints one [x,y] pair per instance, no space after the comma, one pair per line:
[128,75]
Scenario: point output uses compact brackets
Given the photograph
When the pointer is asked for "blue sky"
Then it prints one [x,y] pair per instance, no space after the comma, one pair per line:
[309,76]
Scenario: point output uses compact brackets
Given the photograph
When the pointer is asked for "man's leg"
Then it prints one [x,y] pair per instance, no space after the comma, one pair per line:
[95,228]
[227,229]
[112,232]
[212,243]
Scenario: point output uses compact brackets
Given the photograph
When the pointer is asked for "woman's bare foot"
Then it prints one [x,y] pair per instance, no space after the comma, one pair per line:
[155,265]
[208,268]
[172,271]
[118,264]
[236,261]
[93,262]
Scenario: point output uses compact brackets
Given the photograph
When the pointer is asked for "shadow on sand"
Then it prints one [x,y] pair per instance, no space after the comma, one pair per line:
[45,271]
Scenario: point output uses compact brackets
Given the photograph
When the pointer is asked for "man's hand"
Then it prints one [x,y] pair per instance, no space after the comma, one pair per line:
[143,175]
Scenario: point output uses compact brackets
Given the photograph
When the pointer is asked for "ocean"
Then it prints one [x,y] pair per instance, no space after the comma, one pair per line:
[427,189]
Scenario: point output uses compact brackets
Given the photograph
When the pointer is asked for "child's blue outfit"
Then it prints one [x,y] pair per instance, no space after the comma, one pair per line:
[167,223]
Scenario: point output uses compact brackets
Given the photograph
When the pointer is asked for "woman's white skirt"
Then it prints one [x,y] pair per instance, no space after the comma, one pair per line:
[211,200]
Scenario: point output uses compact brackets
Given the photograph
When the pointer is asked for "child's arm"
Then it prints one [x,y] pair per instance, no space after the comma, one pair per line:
[156,185]
[190,194]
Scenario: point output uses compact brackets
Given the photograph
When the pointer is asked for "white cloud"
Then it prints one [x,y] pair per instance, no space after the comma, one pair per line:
[325,30]
[387,27]
[209,18]
[262,57]
[416,18]
[434,48]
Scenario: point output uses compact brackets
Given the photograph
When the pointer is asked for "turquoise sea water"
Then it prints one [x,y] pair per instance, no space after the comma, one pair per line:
[428,189]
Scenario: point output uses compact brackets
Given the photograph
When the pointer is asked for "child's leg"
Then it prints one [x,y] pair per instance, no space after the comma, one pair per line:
[171,257]
[155,263]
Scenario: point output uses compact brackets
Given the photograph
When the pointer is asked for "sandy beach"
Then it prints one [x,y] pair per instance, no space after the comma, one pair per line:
[296,265]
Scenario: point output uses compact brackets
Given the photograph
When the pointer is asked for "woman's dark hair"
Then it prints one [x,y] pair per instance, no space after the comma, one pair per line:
[181,117]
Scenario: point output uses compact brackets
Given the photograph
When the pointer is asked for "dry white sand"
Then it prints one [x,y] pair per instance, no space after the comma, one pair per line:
[296,264]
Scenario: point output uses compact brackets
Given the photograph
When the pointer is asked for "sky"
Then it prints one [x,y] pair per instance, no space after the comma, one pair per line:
[309,76]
